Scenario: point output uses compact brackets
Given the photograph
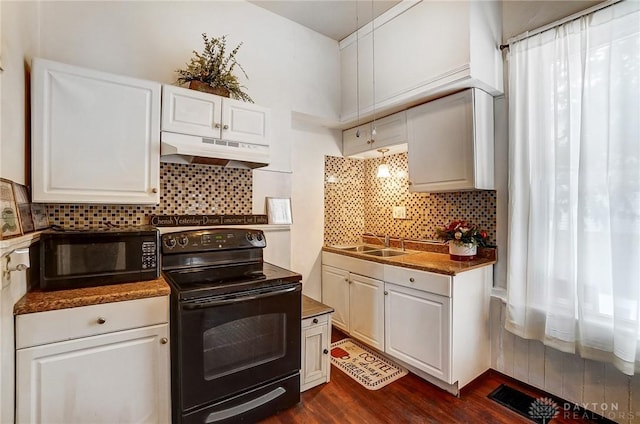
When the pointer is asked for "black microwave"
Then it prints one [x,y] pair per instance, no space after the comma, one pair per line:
[77,258]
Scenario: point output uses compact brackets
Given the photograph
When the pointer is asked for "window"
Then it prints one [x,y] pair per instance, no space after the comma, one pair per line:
[574,186]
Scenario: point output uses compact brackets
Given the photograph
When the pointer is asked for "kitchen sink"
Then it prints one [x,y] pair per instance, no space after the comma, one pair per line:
[360,249]
[385,253]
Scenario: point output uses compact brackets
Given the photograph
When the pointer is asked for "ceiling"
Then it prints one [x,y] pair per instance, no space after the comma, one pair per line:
[334,18]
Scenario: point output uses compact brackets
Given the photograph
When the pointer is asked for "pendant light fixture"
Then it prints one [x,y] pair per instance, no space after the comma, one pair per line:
[357,74]
[383,168]
[373,74]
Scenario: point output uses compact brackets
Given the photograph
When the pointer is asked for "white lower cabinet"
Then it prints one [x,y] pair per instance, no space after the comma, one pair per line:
[121,376]
[316,337]
[358,302]
[335,293]
[417,329]
[437,325]
[366,310]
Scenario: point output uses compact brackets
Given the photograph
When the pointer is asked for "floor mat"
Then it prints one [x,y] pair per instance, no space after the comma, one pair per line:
[540,410]
[364,365]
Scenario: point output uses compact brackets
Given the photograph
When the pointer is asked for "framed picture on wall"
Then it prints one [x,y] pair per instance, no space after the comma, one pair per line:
[21,194]
[279,210]
[39,214]
[9,218]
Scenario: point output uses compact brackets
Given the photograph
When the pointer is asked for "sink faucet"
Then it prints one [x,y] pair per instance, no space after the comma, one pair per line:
[384,241]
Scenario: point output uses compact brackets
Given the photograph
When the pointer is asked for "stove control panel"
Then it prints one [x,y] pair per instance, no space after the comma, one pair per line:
[212,239]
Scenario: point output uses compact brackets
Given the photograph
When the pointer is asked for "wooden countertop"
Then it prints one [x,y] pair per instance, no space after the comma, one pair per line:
[313,308]
[40,301]
[425,261]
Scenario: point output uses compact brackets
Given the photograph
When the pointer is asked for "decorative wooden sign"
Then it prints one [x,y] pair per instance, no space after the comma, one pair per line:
[205,220]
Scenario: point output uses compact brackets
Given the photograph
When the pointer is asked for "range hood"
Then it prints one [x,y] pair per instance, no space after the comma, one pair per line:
[184,148]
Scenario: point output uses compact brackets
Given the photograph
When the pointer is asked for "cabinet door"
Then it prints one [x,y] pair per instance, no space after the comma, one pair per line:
[245,122]
[120,377]
[390,130]
[315,355]
[335,293]
[418,329]
[366,310]
[193,112]
[352,144]
[440,137]
[95,136]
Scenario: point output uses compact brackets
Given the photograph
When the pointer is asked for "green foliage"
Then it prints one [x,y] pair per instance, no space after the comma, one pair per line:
[214,67]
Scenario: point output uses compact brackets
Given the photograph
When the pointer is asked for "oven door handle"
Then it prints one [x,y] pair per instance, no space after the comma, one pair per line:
[240,298]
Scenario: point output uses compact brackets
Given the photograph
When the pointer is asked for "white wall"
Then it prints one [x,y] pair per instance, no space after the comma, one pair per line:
[290,67]
[310,145]
[19,43]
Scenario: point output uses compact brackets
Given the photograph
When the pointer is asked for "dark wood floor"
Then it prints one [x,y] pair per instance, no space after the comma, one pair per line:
[407,400]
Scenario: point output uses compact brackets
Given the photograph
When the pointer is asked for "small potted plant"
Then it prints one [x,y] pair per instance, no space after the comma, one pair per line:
[463,239]
[212,70]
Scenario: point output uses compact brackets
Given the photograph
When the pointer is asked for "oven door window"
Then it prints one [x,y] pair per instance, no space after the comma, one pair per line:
[231,345]
[244,343]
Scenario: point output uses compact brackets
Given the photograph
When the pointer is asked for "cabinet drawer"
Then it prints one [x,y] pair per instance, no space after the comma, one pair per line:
[419,280]
[317,320]
[66,324]
[357,266]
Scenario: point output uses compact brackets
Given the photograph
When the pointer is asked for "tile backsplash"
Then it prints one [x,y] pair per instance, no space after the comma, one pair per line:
[356,201]
[184,189]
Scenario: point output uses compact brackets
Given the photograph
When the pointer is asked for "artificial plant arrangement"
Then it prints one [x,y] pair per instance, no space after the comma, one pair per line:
[215,67]
[460,232]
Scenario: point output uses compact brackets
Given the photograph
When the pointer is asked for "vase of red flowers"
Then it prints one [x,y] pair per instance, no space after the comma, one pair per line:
[463,240]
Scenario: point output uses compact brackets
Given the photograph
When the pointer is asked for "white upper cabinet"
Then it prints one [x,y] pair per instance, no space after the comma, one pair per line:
[422,50]
[95,136]
[451,143]
[390,133]
[192,112]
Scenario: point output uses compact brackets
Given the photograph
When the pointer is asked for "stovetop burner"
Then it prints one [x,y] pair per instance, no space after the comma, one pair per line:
[218,262]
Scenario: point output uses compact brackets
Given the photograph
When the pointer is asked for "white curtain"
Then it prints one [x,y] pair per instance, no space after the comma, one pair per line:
[574,187]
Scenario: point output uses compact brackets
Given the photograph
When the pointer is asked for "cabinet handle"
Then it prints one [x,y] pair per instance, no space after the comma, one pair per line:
[216,125]
[225,127]
[101,320]
[315,320]
[154,190]
[325,351]
[412,279]
[164,340]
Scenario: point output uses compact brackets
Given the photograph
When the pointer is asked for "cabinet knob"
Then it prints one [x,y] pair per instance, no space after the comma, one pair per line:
[154,190]
[216,125]
[412,279]
[409,182]
[346,279]
[101,320]
[315,320]
[164,340]
[386,293]
[325,351]
[225,127]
